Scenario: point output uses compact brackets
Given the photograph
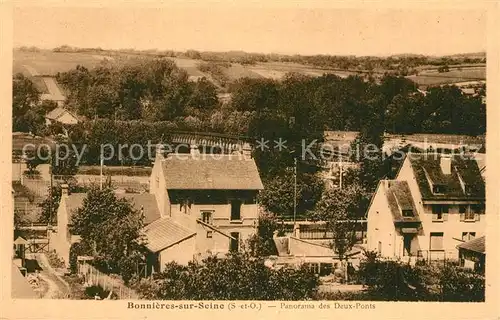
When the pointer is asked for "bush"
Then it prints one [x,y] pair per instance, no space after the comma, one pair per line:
[394,280]
[461,285]
[55,261]
[235,277]
[76,249]
[93,291]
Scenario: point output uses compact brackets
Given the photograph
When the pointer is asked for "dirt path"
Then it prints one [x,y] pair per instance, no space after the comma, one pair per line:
[58,288]
[53,88]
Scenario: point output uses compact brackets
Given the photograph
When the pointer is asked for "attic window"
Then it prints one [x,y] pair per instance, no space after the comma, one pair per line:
[407,213]
[438,188]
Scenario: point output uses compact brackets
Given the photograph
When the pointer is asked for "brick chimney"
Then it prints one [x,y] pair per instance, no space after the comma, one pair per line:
[246,150]
[160,151]
[445,162]
[64,190]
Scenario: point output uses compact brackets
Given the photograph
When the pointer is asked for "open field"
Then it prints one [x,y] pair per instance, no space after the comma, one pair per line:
[431,78]
[49,63]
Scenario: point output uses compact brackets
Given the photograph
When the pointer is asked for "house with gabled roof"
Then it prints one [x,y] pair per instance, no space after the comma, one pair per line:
[208,205]
[435,203]
[61,240]
[198,205]
[61,115]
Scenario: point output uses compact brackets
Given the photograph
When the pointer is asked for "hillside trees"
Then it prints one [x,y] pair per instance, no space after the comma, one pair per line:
[27,114]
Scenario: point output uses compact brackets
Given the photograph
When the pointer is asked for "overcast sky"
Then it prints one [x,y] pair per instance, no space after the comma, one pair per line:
[252,29]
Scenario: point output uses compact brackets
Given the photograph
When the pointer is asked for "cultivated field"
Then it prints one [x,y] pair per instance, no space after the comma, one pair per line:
[431,78]
[49,63]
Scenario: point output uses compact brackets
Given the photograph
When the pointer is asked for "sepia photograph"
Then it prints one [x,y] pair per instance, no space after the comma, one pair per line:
[219,154]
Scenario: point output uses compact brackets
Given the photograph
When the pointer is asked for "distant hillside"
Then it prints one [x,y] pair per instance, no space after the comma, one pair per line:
[223,68]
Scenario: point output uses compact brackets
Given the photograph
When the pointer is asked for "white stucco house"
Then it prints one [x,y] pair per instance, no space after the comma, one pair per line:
[435,203]
[197,206]
[208,205]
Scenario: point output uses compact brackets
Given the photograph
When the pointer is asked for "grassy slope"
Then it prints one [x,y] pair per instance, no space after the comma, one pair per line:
[49,63]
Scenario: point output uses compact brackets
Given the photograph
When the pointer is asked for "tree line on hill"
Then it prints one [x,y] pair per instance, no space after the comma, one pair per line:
[146,100]
[157,90]
[398,64]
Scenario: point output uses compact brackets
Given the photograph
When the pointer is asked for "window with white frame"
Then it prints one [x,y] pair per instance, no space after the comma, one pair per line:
[468,213]
[436,241]
[467,236]
[439,211]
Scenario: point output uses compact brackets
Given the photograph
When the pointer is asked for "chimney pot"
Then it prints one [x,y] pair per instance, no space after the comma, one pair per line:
[246,150]
[64,189]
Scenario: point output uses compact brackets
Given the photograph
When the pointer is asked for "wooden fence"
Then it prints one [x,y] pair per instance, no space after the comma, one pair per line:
[94,277]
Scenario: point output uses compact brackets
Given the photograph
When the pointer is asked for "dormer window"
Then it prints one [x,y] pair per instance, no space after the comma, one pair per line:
[407,213]
[438,188]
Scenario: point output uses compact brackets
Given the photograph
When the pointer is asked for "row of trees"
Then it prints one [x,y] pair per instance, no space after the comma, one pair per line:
[331,61]
[152,90]
[155,90]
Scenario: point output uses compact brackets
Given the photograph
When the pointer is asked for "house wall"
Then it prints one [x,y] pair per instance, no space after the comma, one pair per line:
[380,226]
[451,226]
[221,214]
[157,186]
[181,253]
[60,239]
[452,229]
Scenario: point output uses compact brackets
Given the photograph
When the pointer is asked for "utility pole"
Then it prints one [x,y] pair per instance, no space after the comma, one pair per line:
[341,173]
[50,193]
[102,163]
[295,190]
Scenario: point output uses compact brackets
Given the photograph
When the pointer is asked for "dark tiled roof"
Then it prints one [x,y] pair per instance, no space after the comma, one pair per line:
[466,167]
[165,232]
[476,245]
[21,288]
[218,172]
[399,198]
[146,200]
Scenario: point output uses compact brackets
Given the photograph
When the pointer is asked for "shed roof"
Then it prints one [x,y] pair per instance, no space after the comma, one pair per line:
[476,245]
[211,172]
[164,233]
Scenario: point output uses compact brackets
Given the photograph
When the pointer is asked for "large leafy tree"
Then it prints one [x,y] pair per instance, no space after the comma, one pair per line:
[27,114]
[339,209]
[50,204]
[111,226]
[278,194]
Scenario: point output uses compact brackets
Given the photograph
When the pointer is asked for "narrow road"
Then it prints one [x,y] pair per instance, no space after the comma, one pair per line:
[58,288]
